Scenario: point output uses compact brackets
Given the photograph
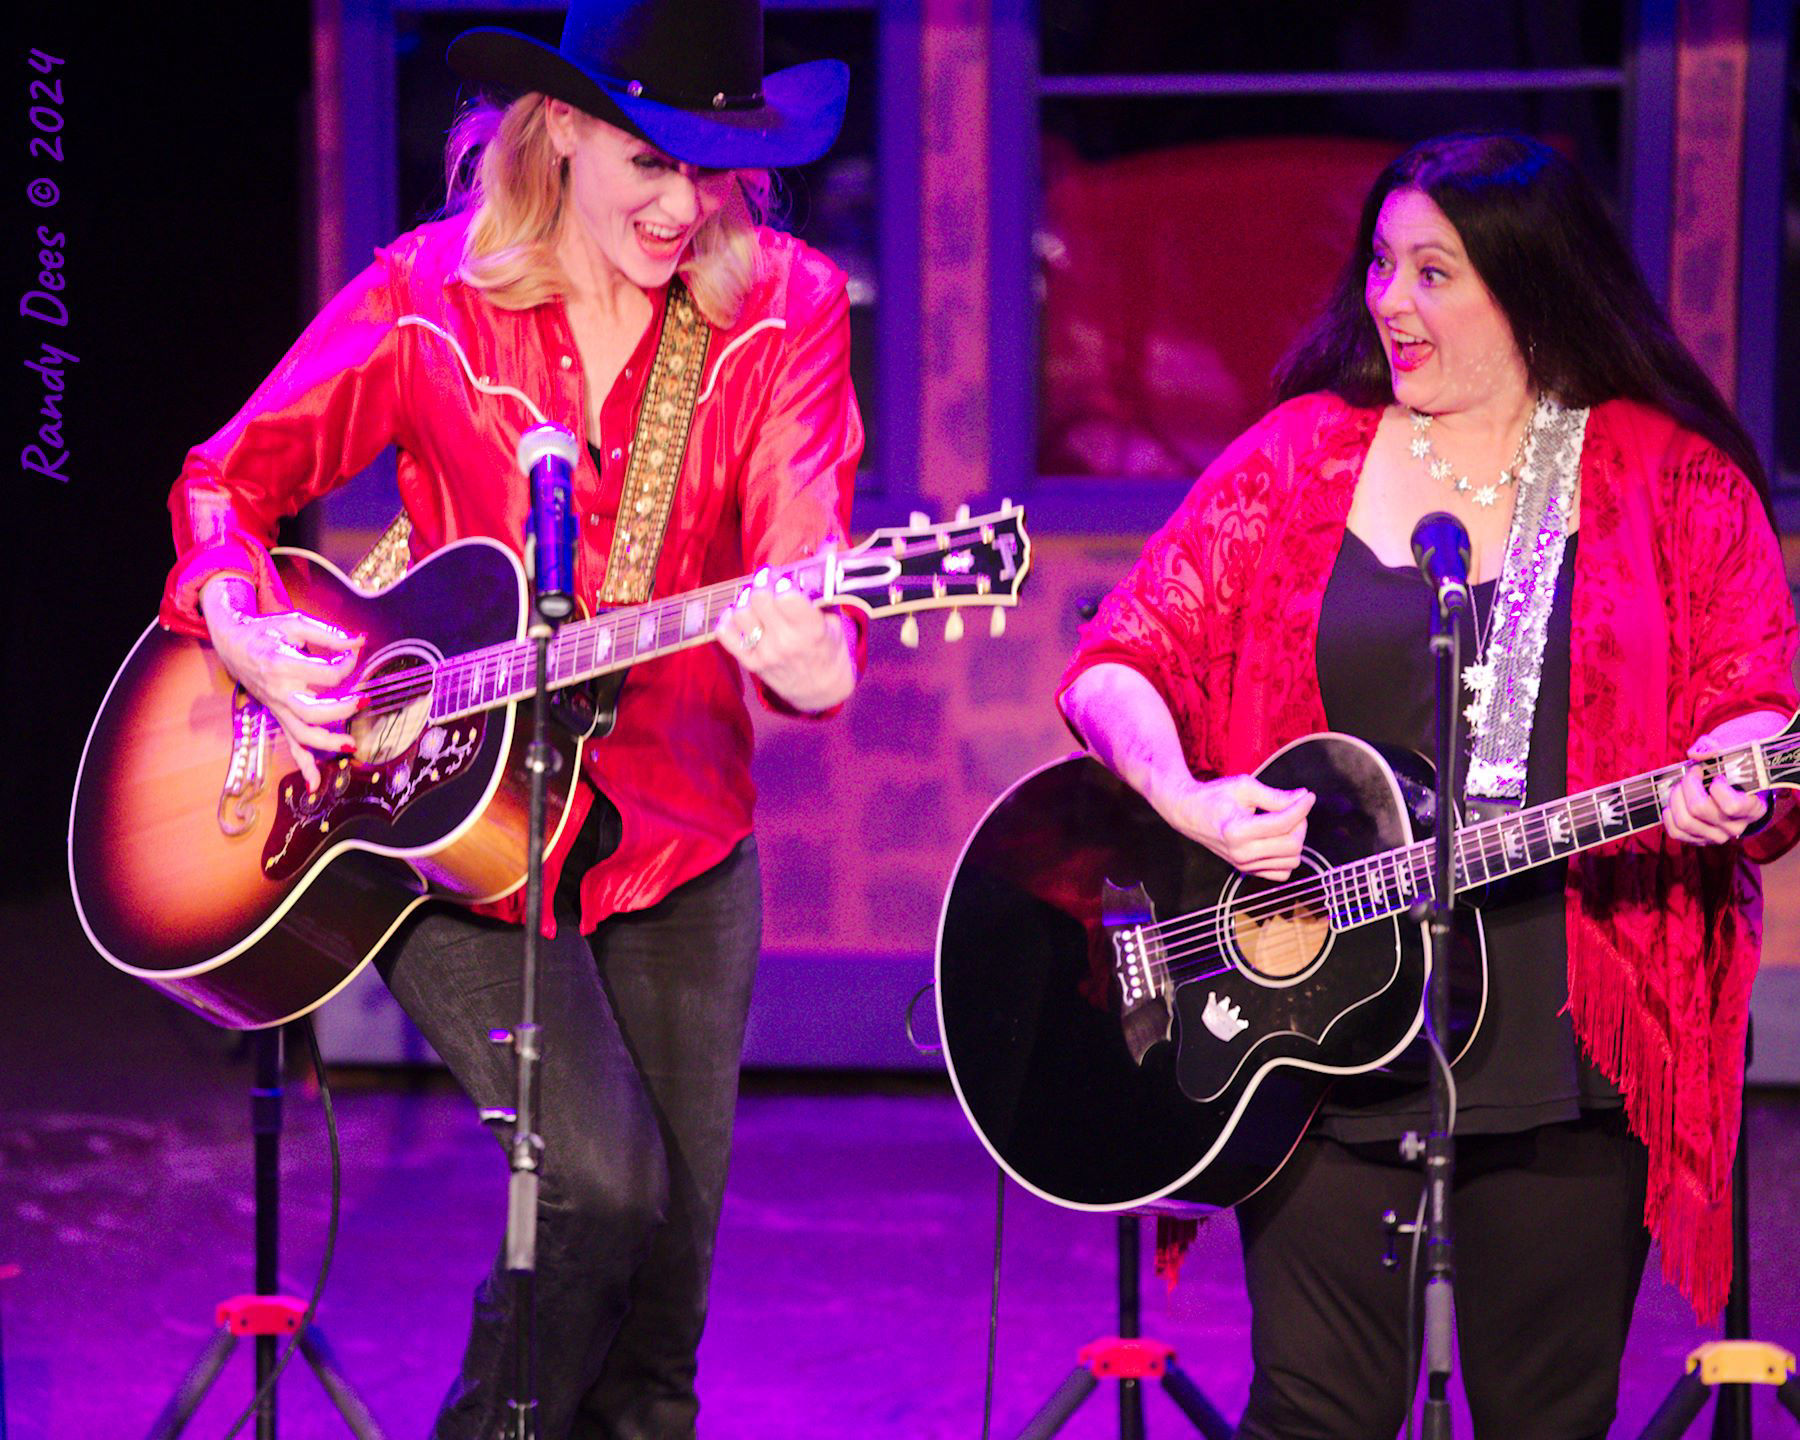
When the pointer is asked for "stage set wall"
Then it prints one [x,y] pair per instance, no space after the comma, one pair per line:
[970,289]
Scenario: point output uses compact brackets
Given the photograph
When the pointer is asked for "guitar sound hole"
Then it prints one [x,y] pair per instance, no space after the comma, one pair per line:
[388,728]
[1278,939]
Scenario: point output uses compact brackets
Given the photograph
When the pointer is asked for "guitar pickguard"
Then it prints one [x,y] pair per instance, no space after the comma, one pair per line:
[1272,980]
[351,791]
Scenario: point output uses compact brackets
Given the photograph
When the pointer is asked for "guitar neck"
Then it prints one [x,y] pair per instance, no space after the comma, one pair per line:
[1385,885]
[980,561]
[503,674]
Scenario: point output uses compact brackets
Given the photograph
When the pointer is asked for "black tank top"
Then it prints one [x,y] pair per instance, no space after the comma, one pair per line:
[1523,1068]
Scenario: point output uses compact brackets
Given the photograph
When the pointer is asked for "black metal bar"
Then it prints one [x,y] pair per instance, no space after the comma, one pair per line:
[1731,1413]
[1060,1406]
[192,1390]
[1192,1402]
[525,1145]
[1131,1392]
[1440,1149]
[1679,1407]
[265,1130]
[1326,82]
[318,1354]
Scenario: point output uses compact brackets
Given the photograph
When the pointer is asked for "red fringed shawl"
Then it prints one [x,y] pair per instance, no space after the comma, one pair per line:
[1681,620]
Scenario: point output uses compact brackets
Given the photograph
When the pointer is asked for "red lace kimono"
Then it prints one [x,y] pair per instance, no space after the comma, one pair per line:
[1681,620]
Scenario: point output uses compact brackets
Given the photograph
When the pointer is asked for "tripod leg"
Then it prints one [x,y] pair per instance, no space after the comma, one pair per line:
[317,1353]
[1193,1404]
[1683,1402]
[1787,1395]
[1060,1406]
[186,1400]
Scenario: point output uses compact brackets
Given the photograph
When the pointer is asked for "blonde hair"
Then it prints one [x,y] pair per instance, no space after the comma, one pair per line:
[502,164]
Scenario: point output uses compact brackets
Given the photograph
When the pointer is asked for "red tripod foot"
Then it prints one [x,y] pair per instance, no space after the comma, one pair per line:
[1117,1358]
[1123,1358]
[261,1314]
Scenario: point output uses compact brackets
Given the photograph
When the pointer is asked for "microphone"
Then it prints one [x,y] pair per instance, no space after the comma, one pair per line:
[549,454]
[1440,548]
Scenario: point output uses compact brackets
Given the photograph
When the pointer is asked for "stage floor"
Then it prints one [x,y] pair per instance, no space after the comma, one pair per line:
[851,1296]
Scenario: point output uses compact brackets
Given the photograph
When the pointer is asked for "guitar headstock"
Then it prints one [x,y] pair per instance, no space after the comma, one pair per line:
[1781,754]
[971,560]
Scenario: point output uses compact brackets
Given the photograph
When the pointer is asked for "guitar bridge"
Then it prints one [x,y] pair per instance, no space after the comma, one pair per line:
[1139,968]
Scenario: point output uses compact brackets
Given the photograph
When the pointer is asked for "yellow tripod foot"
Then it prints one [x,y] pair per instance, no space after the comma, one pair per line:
[1724,1362]
[1741,1362]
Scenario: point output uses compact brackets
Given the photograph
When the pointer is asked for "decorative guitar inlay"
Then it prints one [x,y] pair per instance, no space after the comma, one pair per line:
[1222,1018]
[350,790]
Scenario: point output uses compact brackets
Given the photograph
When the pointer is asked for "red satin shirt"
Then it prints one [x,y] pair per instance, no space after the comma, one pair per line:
[767,478]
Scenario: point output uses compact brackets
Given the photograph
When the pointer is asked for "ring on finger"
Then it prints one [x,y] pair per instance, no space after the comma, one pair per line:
[753,637]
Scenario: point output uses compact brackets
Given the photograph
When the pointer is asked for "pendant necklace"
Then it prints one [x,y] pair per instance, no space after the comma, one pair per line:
[1439,468]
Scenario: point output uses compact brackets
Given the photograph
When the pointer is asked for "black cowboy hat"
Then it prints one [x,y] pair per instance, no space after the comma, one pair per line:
[686,75]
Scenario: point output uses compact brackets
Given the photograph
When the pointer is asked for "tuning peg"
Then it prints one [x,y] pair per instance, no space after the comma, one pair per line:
[909,632]
[997,623]
[953,627]
[962,514]
[919,520]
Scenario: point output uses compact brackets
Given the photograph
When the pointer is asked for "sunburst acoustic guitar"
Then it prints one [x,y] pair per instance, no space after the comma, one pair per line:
[200,867]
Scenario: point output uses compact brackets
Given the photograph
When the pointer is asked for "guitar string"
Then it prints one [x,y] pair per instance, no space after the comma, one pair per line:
[497,670]
[1179,962]
[503,659]
[1289,905]
[509,659]
[1536,828]
[1487,840]
[1389,867]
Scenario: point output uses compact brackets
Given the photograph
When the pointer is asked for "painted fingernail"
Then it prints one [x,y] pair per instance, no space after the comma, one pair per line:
[363,702]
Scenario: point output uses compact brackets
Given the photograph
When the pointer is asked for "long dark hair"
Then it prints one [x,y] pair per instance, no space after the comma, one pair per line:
[1535,231]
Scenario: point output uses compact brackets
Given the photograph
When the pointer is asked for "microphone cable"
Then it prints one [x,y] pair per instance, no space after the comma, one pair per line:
[987,1403]
[925,1047]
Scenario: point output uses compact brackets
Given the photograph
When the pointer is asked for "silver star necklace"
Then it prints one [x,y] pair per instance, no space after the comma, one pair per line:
[1439,468]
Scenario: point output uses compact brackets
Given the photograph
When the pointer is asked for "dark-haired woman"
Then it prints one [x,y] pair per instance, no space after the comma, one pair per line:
[631,158]
[1489,350]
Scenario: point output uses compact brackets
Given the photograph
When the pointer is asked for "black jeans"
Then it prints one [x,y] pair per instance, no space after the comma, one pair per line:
[1550,1247]
[643,1028]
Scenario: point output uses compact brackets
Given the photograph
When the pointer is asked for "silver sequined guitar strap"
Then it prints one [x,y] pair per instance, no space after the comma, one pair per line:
[1504,682]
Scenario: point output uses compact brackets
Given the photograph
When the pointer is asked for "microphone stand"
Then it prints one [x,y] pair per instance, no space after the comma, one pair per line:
[1449,601]
[546,455]
[525,1147]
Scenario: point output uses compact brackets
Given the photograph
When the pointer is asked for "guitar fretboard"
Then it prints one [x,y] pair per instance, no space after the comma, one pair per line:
[499,674]
[1384,885]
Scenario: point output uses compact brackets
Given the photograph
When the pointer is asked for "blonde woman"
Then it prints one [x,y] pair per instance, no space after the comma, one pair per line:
[635,153]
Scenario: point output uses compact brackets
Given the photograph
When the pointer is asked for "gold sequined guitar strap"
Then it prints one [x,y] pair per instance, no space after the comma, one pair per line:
[387,558]
[657,450]
[658,447]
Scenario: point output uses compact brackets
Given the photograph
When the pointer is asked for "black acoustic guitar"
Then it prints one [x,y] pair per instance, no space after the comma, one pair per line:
[202,865]
[1132,1024]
